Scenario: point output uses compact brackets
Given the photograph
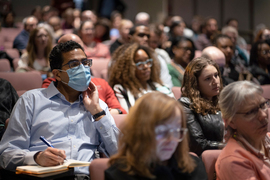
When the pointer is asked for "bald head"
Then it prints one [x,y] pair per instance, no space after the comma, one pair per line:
[214,54]
[69,37]
[142,18]
[88,15]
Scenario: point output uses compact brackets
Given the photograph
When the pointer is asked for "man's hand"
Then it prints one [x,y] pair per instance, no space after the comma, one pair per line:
[91,99]
[50,157]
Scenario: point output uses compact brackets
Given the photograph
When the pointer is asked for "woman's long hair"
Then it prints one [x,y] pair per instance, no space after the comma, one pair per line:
[123,68]
[32,47]
[137,143]
[190,87]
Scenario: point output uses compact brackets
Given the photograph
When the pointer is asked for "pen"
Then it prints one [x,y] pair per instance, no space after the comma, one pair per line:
[47,142]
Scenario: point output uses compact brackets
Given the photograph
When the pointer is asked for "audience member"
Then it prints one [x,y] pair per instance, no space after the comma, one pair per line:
[142,18]
[72,106]
[46,13]
[177,29]
[68,19]
[9,20]
[210,28]
[124,28]
[55,23]
[88,15]
[263,34]
[155,42]
[260,61]
[213,53]
[245,113]
[233,70]
[20,42]
[239,55]
[102,30]
[38,50]
[183,51]
[77,18]
[37,13]
[141,34]
[162,139]
[240,41]
[62,5]
[135,72]
[92,49]
[200,93]
[105,92]
[196,26]
[116,19]
[8,98]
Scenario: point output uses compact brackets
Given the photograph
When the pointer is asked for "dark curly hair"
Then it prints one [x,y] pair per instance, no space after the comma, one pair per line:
[56,59]
[190,87]
[123,68]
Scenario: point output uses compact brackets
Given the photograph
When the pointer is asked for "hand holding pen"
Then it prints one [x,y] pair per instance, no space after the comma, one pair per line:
[51,156]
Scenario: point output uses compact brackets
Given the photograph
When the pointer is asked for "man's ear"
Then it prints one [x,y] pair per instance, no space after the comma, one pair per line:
[56,74]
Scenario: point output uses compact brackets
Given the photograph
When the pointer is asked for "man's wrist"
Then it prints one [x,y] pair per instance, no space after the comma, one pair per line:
[95,110]
[36,156]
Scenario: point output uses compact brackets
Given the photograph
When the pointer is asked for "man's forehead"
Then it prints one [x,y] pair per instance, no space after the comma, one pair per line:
[143,29]
[73,54]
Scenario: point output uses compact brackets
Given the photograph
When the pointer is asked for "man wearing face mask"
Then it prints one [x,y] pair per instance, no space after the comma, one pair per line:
[68,114]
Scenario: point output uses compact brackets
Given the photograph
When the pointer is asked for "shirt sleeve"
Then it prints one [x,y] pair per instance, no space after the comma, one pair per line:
[14,149]
[117,89]
[108,134]
[111,99]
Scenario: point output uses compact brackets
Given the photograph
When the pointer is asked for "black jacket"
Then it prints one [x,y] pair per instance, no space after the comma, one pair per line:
[205,132]
[170,172]
[260,74]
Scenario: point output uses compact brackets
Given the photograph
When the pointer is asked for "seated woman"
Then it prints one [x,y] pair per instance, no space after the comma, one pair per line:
[92,49]
[153,144]
[260,61]
[182,52]
[200,91]
[134,72]
[38,50]
[247,153]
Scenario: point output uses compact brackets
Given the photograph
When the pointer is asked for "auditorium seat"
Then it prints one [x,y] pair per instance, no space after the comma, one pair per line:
[209,158]
[4,65]
[97,168]
[23,81]
[177,92]
[98,65]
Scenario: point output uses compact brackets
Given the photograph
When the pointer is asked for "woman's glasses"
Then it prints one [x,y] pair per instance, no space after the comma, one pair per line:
[163,132]
[76,63]
[148,63]
[253,113]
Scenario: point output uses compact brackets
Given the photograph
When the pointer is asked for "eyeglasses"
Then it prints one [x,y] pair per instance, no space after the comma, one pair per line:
[264,52]
[76,63]
[163,132]
[185,48]
[143,34]
[253,113]
[148,62]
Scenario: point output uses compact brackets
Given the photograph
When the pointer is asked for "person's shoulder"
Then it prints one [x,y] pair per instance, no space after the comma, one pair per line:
[114,172]
[184,100]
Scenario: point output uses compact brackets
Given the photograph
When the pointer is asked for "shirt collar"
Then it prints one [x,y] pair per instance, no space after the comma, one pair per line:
[53,91]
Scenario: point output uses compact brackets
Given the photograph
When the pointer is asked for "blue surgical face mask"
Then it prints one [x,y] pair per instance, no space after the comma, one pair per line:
[79,77]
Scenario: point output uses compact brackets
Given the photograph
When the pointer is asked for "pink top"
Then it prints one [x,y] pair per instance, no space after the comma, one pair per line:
[99,51]
[240,161]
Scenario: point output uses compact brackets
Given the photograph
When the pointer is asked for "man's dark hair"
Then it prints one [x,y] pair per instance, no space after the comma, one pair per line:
[133,29]
[217,37]
[231,19]
[56,59]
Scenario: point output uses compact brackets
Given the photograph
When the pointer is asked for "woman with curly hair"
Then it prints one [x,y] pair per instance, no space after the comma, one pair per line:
[201,87]
[38,50]
[134,72]
[158,148]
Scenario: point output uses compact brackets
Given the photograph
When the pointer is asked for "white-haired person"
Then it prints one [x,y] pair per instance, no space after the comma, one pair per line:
[245,112]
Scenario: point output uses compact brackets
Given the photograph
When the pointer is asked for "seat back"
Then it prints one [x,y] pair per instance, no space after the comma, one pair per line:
[119,119]
[97,168]
[209,158]
[177,92]
[4,65]
[99,65]
[23,81]
[13,53]
[15,63]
